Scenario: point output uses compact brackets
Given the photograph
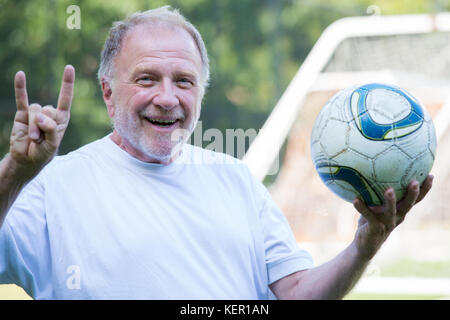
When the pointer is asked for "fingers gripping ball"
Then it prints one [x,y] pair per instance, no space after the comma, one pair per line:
[369,138]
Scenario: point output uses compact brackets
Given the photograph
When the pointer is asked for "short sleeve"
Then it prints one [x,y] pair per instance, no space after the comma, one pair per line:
[24,248]
[282,253]
[5,235]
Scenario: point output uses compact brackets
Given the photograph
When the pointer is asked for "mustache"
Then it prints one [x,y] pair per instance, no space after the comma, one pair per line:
[162,114]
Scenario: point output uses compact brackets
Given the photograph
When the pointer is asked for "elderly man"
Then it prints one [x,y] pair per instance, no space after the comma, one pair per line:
[135,215]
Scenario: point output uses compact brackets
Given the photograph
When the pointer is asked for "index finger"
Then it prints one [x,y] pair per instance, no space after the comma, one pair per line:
[425,187]
[20,89]
[66,92]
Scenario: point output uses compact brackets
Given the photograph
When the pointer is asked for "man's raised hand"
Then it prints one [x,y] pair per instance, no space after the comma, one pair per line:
[37,131]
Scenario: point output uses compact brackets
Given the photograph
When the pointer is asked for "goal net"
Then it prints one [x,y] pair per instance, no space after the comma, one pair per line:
[411,51]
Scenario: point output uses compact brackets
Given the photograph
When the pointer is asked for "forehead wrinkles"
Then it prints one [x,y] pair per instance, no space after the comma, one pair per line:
[159,44]
[168,58]
[173,65]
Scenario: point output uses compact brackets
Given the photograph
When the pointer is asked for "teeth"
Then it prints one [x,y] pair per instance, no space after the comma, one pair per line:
[161,121]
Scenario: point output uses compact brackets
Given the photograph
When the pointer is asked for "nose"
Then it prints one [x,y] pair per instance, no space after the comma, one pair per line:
[166,97]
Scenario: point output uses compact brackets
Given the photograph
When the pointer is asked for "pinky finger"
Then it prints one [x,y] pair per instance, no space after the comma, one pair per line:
[425,188]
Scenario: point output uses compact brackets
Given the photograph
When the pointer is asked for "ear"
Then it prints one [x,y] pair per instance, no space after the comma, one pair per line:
[108,96]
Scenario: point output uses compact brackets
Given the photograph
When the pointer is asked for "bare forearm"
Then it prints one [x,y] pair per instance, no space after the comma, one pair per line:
[331,280]
[12,180]
[334,279]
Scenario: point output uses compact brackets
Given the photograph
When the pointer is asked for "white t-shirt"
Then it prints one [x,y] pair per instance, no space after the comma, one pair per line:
[99,224]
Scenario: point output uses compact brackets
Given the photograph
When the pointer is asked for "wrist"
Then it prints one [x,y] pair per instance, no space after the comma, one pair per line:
[360,253]
[13,178]
[13,173]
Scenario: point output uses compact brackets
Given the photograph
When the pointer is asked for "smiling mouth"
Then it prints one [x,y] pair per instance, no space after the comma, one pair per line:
[164,123]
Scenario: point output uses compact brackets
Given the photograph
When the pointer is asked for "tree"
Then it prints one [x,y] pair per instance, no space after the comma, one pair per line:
[255,48]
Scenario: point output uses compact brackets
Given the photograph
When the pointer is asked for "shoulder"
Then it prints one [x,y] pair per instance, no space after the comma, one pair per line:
[197,155]
[221,163]
[80,157]
[227,170]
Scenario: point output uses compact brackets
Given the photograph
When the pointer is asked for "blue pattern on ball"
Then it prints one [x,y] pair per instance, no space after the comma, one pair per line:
[376,131]
[354,178]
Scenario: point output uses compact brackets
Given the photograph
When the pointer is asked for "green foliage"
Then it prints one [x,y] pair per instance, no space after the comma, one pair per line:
[255,49]
[413,268]
[390,296]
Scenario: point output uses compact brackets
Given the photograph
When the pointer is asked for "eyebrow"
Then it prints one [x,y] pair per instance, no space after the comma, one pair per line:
[177,74]
[188,74]
[142,70]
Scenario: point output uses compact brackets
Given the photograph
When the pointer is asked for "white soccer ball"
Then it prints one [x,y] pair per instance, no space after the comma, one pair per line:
[371,137]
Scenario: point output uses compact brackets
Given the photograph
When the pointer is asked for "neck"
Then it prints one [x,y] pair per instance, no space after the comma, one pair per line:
[125,145]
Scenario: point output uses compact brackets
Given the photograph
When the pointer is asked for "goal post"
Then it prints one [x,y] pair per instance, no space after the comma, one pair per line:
[410,51]
[265,148]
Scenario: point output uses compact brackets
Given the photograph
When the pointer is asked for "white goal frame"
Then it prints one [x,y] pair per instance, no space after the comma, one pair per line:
[267,144]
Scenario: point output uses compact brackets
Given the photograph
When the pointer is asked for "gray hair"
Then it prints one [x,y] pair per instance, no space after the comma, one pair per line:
[163,15]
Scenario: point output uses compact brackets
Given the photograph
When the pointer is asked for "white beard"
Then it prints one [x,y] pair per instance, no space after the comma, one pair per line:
[156,147]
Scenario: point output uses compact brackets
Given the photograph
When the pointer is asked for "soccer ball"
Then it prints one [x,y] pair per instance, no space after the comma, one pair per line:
[371,137]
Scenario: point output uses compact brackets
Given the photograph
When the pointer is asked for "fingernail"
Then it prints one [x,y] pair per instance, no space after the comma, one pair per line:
[34,135]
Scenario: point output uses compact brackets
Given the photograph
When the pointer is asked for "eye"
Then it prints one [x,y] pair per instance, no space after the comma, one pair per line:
[185,83]
[145,80]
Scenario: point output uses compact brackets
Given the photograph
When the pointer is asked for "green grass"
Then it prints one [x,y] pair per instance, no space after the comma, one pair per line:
[391,296]
[12,292]
[399,268]
[413,268]
[408,268]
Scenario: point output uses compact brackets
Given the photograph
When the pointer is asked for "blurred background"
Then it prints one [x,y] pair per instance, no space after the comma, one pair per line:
[256,49]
